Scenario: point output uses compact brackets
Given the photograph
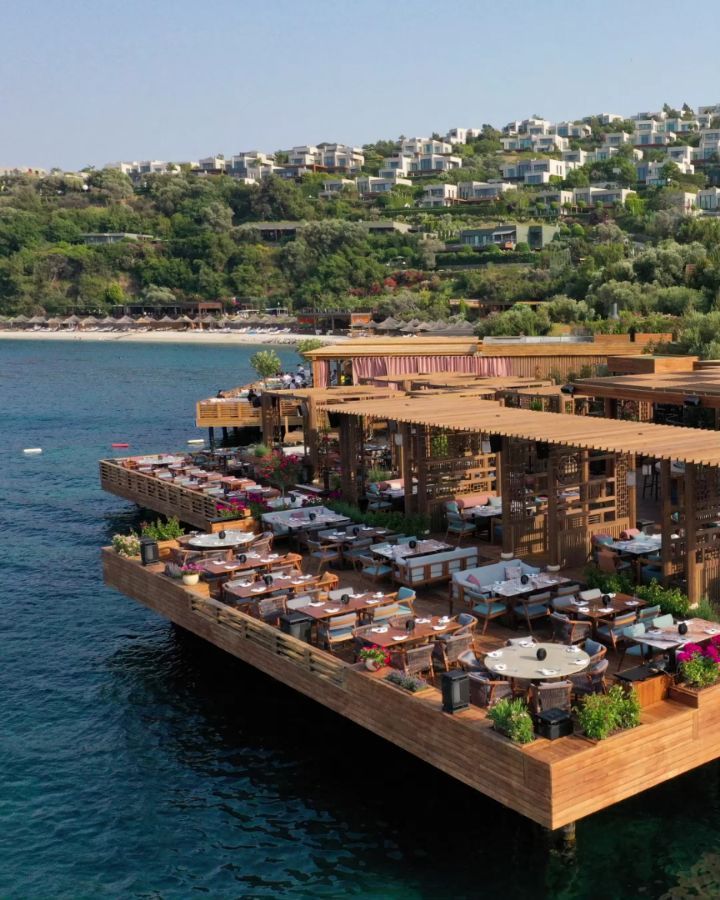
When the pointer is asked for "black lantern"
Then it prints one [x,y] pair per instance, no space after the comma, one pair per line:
[605,599]
[356,530]
[242,558]
[268,579]
[524,579]
[312,516]
[455,690]
[410,625]
[682,628]
[149,552]
[412,544]
[345,599]
[541,653]
[222,535]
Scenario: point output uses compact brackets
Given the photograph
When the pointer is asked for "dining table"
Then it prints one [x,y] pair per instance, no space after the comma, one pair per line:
[221,540]
[217,568]
[670,639]
[514,587]
[617,605]
[334,606]
[520,661]
[427,628]
[400,552]
[244,589]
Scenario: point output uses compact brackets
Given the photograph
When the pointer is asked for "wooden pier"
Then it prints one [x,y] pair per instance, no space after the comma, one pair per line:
[553,783]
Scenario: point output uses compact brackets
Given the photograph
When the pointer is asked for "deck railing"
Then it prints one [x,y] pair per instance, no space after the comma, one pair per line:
[153,493]
[313,660]
[238,413]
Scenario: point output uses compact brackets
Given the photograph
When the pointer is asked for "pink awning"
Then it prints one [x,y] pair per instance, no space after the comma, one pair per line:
[373,367]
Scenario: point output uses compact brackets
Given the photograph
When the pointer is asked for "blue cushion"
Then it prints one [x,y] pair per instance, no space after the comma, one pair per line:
[604,630]
[534,609]
[405,592]
[636,650]
[489,609]
[404,611]
[340,632]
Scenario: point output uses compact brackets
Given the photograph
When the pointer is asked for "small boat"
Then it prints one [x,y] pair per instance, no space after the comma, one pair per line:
[197,441]
[119,446]
[32,451]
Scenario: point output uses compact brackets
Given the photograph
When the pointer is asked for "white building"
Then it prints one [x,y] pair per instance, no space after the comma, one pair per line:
[606,196]
[433,162]
[483,190]
[425,146]
[369,185]
[536,171]
[436,195]
[462,135]
[708,199]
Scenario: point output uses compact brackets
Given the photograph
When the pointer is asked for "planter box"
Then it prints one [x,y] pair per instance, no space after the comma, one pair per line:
[245,524]
[616,734]
[695,699]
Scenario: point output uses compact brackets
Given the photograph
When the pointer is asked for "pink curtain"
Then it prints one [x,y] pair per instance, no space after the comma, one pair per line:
[321,373]
[371,368]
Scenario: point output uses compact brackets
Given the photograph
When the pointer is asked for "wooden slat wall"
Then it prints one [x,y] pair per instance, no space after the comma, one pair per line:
[238,414]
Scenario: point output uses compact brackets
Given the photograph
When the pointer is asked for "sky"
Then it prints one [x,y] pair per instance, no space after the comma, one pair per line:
[86,83]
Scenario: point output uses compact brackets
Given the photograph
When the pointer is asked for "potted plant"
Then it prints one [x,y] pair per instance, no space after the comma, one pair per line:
[126,545]
[374,657]
[191,573]
[512,718]
[700,666]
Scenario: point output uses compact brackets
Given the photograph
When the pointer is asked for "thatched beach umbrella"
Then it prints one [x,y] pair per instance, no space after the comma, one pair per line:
[108,320]
[54,322]
[37,320]
[125,322]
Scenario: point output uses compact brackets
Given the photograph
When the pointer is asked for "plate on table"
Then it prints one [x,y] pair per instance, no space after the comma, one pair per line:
[579,662]
[381,629]
[399,637]
[439,627]
[423,621]
[548,672]
[371,600]
[632,602]
[572,649]
[711,631]
[526,643]
[316,603]
[500,667]
[257,590]
[332,609]
[379,595]
[495,654]
[583,609]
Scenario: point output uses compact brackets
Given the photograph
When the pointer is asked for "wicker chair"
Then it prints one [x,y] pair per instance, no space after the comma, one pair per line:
[414,660]
[532,607]
[446,654]
[591,681]
[337,631]
[486,692]
[611,632]
[567,590]
[263,543]
[271,608]
[595,651]
[567,630]
[458,526]
[550,695]
[322,554]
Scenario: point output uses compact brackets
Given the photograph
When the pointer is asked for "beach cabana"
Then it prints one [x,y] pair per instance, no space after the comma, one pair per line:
[125,322]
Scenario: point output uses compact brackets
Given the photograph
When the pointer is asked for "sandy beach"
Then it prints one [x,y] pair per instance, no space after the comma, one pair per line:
[166,337]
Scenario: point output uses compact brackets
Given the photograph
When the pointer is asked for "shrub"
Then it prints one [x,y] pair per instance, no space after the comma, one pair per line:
[608,583]
[392,520]
[163,531]
[266,363]
[511,718]
[126,544]
[307,344]
[670,600]
[376,474]
[231,508]
[408,682]
[602,714]
[261,450]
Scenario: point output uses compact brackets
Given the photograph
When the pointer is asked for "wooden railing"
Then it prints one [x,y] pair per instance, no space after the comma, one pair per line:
[317,662]
[239,413]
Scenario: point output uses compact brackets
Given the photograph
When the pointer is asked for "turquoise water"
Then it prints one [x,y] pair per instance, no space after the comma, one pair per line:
[138,762]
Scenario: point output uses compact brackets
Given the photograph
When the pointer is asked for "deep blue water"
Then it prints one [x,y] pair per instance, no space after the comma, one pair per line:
[138,762]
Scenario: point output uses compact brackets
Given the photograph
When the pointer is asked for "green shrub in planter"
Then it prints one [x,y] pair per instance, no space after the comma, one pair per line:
[163,531]
[599,715]
[511,718]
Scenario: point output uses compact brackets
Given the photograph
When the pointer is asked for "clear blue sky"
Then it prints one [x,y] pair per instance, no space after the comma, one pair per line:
[90,82]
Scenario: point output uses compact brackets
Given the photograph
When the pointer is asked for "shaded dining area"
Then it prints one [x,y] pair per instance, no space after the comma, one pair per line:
[560,487]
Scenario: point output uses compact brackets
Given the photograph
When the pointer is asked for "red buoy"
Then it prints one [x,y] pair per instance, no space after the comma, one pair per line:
[119,446]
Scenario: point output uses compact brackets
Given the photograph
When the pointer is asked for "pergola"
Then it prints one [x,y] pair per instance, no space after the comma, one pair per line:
[638,396]
[313,406]
[583,468]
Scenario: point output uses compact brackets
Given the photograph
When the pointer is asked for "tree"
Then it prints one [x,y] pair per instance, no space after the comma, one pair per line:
[266,363]
[307,344]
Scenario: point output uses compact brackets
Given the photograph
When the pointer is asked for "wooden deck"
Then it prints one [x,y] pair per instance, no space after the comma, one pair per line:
[553,783]
[231,413]
[152,493]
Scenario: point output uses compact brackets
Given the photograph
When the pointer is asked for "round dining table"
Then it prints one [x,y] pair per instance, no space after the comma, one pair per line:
[521,661]
[216,542]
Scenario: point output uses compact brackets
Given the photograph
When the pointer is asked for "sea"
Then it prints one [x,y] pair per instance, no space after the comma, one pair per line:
[138,762]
